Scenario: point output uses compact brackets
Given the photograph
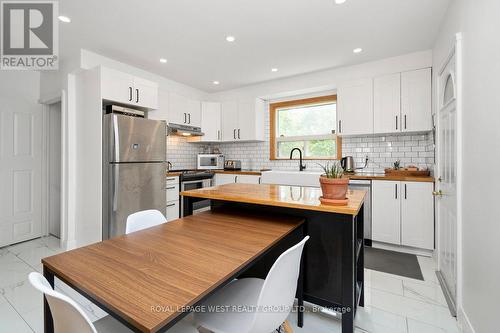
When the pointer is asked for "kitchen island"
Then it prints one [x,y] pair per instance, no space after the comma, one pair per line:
[333,260]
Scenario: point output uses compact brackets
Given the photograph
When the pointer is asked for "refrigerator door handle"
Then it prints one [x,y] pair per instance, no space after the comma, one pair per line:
[116,177]
[116,135]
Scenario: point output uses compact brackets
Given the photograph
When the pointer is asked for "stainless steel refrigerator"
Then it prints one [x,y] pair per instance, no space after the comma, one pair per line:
[134,154]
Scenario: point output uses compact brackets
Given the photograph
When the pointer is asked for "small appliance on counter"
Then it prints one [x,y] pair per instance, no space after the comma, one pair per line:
[347,164]
[232,165]
[210,162]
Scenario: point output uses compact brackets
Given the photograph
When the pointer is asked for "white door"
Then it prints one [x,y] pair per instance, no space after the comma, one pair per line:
[177,109]
[248,179]
[224,178]
[229,121]
[387,104]
[20,170]
[447,178]
[211,121]
[416,100]
[246,121]
[161,113]
[417,215]
[117,86]
[355,107]
[146,93]
[194,113]
[386,211]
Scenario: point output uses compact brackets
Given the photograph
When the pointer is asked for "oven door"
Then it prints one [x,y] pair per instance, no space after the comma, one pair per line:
[199,205]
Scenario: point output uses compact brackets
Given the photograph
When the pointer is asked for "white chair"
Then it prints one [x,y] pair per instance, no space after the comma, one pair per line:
[144,219]
[68,316]
[266,303]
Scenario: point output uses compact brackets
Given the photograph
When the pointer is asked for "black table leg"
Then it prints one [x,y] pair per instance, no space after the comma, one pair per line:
[47,315]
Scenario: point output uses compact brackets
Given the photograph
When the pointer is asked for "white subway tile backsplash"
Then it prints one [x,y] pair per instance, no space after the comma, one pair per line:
[382,152]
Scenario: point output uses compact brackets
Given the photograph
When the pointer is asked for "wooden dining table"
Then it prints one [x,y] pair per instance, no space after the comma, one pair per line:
[151,279]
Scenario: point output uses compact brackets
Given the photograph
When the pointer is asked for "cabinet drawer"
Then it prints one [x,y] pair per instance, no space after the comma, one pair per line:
[172,210]
[172,192]
[172,180]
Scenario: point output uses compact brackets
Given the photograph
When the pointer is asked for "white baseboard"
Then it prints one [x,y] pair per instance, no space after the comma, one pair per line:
[69,244]
[404,249]
[464,322]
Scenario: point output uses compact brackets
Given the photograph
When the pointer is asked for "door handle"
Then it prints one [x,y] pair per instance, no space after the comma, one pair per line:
[130,94]
[396,190]
[235,179]
[406,192]
[170,187]
[189,118]
[185,118]
[340,126]
[396,122]
[170,205]
[239,133]
[137,95]
[405,121]
[234,133]
[437,193]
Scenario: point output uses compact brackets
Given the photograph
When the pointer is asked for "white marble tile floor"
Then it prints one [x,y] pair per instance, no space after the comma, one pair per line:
[393,304]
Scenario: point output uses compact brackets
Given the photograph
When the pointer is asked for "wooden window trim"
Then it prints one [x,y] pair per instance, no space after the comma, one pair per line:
[298,102]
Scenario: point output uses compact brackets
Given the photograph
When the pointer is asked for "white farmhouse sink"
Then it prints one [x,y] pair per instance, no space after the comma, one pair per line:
[293,178]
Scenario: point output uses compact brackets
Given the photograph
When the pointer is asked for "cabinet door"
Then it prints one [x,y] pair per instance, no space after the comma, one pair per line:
[416,103]
[417,215]
[224,178]
[145,93]
[194,113]
[172,210]
[248,179]
[386,211]
[211,122]
[355,107]
[161,113]
[229,121]
[246,121]
[178,109]
[117,86]
[387,104]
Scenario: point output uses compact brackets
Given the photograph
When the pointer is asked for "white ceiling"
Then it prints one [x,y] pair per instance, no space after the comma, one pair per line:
[296,36]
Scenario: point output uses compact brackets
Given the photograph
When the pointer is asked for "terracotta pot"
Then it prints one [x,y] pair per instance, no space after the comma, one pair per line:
[334,188]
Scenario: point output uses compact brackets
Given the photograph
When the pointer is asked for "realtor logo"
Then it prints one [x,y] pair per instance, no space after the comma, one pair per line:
[29,38]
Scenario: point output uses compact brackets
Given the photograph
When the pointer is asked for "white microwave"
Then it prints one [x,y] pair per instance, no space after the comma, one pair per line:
[210,161]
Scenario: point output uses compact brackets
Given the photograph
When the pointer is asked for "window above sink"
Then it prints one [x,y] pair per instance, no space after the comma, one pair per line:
[308,124]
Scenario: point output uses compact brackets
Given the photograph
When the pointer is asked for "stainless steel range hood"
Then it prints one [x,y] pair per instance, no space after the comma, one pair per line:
[184,130]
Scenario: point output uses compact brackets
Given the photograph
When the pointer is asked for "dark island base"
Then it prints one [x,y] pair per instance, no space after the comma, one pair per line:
[333,260]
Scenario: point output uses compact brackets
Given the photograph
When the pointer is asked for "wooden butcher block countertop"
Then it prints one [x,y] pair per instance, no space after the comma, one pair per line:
[280,196]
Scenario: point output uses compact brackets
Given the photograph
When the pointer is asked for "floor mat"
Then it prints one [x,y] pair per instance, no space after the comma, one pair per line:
[393,263]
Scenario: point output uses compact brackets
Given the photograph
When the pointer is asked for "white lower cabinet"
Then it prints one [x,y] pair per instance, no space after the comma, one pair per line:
[172,197]
[231,178]
[386,212]
[417,215]
[224,178]
[403,213]
[248,179]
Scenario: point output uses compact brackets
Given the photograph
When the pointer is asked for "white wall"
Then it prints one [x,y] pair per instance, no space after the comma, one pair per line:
[479,23]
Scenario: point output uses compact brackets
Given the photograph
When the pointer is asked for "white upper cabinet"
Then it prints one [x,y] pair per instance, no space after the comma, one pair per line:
[229,121]
[211,122]
[243,120]
[184,111]
[416,100]
[355,107]
[127,89]
[417,215]
[387,103]
[162,112]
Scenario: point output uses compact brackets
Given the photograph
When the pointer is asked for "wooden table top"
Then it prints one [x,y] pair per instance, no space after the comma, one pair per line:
[280,196]
[173,265]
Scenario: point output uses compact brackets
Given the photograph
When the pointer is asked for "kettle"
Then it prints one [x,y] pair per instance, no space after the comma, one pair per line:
[347,164]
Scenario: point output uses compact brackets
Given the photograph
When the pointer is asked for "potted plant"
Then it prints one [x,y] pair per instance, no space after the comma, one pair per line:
[333,186]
